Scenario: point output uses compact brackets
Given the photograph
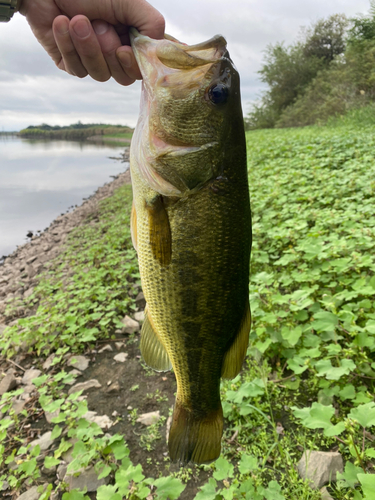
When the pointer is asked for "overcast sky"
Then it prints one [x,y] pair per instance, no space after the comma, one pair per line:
[33,90]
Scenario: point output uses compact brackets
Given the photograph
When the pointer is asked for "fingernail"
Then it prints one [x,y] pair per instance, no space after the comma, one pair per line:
[81,28]
[63,28]
[125,59]
[100,27]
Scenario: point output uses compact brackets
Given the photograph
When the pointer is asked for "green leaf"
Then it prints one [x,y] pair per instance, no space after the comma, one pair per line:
[324,368]
[224,469]
[324,321]
[168,488]
[364,414]
[108,493]
[291,335]
[207,491]
[247,464]
[368,485]
[51,462]
[75,495]
[316,417]
[273,492]
[56,432]
[349,476]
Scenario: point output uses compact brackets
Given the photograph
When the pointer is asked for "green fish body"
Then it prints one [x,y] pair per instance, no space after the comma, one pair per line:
[191,226]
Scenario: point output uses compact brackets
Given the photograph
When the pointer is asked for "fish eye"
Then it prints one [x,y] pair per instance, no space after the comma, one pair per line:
[218,93]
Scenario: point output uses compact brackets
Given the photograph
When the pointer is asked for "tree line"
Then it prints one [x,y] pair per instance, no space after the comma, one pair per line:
[328,71]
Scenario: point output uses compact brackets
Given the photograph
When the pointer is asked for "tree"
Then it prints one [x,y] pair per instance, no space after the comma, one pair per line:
[327,38]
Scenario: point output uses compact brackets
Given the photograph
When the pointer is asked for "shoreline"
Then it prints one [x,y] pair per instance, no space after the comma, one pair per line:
[19,270]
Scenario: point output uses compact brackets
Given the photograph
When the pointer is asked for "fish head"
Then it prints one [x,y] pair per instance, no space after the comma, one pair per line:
[190,99]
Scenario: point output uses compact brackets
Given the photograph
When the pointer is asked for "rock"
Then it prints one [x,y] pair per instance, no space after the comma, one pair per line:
[149,418]
[30,260]
[103,421]
[7,384]
[119,345]
[105,348]
[168,427]
[79,362]
[2,328]
[5,486]
[87,479]
[29,375]
[31,494]
[61,471]
[18,406]
[121,357]
[48,362]
[325,494]
[28,293]
[75,373]
[29,389]
[31,272]
[49,416]
[84,386]
[130,325]
[139,316]
[140,300]
[44,441]
[115,387]
[320,467]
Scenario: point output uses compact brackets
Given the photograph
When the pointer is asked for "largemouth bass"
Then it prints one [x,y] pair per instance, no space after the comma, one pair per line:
[191,227]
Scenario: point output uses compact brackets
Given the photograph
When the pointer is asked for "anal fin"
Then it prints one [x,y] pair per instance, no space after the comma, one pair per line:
[159,231]
[152,348]
[235,355]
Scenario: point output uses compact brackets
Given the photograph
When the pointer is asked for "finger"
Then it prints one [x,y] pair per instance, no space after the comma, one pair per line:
[70,61]
[88,48]
[139,14]
[128,62]
[109,42]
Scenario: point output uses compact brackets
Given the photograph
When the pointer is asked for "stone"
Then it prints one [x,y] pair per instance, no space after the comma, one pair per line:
[75,373]
[30,260]
[7,384]
[49,416]
[320,467]
[139,316]
[88,479]
[18,406]
[84,386]
[31,272]
[103,421]
[149,418]
[61,471]
[105,349]
[115,387]
[31,494]
[2,328]
[29,375]
[44,441]
[27,391]
[325,494]
[48,362]
[28,293]
[79,362]
[140,300]
[121,357]
[130,325]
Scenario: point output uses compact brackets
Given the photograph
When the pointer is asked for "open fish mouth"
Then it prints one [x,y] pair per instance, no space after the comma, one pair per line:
[161,58]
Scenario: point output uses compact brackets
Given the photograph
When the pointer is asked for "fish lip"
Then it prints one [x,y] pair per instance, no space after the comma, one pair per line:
[169,54]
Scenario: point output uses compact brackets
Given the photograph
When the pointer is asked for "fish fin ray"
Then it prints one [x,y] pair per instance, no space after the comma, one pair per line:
[133,227]
[152,348]
[195,440]
[159,232]
[235,355]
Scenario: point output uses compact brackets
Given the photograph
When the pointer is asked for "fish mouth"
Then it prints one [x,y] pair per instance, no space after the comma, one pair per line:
[158,59]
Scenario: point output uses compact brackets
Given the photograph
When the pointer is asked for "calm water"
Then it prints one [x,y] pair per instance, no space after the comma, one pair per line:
[39,180]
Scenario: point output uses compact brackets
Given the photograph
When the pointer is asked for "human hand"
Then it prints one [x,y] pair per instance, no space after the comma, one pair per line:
[90,37]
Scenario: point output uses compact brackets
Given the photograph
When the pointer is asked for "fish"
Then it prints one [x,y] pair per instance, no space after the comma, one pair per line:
[191,228]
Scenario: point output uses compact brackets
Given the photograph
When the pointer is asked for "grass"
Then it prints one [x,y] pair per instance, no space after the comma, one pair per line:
[308,383]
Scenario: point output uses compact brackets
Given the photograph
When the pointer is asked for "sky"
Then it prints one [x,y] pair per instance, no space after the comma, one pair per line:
[34,91]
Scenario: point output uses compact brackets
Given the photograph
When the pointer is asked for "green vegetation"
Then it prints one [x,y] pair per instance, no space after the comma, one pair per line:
[77,131]
[327,73]
[309,379]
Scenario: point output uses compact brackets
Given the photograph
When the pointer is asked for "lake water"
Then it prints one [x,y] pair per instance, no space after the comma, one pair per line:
[39,180]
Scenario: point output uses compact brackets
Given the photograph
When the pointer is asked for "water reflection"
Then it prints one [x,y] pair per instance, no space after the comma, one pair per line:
[40,179]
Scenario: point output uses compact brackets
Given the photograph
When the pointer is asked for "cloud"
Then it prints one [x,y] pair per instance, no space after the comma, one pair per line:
[33,90]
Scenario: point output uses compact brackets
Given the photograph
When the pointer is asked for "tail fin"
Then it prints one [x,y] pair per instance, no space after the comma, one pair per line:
[193,439]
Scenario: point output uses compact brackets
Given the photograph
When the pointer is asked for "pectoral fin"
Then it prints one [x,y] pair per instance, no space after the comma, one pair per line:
[235,355]
[152,348]
[159,231]
[133,227]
